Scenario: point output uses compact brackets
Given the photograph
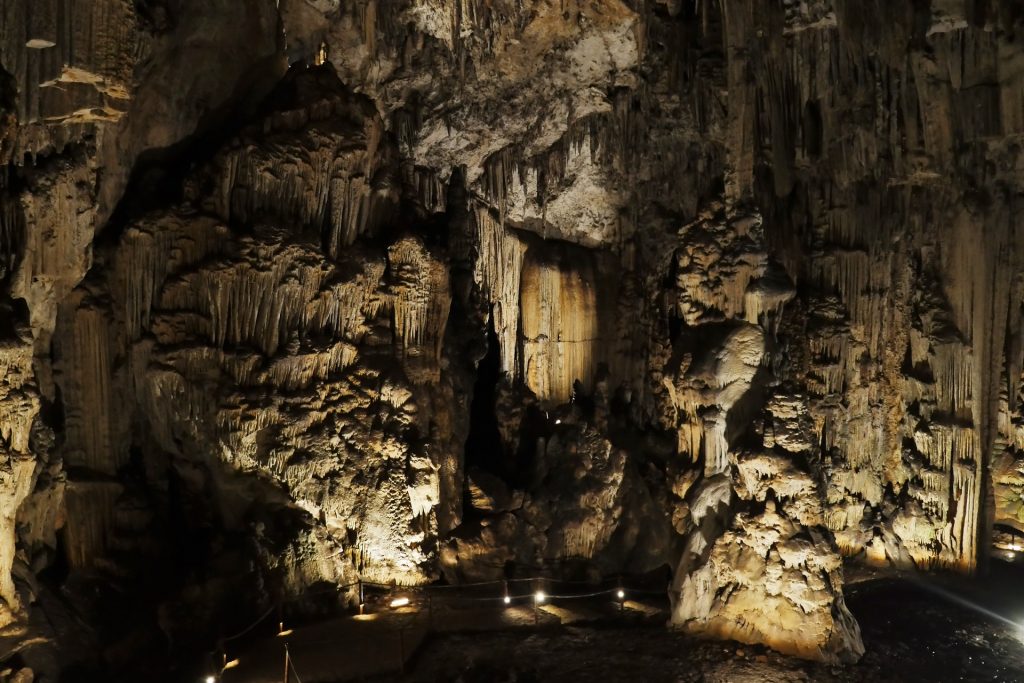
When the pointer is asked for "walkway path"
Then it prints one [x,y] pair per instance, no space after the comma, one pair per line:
[381,643]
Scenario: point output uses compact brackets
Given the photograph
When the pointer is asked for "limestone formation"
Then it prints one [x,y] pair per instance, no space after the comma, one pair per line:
[584,503]
[296,293]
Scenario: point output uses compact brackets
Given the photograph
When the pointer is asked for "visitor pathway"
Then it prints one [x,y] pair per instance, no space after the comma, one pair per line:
[383,642]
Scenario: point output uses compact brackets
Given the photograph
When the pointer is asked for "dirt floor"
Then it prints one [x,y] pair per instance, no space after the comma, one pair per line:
[928,630]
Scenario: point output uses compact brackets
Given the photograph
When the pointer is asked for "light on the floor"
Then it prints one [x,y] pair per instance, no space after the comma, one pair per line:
[621,594]
[211,679]
[282,631]
[558,421]
[540,596]
[230,665]
[400,602]
[507,600]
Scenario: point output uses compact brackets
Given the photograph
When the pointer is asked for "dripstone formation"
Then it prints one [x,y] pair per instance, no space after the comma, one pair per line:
[295,293]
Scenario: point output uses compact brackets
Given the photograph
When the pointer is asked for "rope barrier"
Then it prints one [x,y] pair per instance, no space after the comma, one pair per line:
[251,626]
[581,595]
[542,581]
[535,579]
[291,663]
[619,590]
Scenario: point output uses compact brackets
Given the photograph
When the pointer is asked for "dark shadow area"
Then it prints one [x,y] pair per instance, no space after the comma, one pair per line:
[942,627]
[812,129]
[484,448]
[157,177]
[536,425]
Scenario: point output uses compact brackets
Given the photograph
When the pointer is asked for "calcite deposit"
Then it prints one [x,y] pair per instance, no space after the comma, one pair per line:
[298,293]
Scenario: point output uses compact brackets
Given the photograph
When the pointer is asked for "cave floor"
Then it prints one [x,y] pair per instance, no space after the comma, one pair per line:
[385,641]
[932,629]
[913,631]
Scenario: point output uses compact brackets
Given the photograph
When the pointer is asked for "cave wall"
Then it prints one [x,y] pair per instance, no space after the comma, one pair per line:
[753,271]
[909,253]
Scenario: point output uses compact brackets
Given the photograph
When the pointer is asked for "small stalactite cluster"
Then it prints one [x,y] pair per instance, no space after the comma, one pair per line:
[338,177]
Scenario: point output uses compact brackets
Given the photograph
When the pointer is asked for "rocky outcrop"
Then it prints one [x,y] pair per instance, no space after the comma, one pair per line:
[256,352]
[584,505]
[85,90]
[758,564]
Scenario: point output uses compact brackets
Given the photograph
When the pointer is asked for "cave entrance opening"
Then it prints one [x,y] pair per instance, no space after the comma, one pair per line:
[484,446]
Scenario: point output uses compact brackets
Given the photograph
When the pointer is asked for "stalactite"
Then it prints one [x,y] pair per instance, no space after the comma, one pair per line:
[498,271]
[559,309]
[12,234]
[422,300]
[55,260]
[94,419]
[67,85]
[151,253]
[89,510]
[266,290]
[19,402]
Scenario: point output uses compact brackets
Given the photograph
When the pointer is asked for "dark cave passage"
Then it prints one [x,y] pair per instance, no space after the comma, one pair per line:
[484,448]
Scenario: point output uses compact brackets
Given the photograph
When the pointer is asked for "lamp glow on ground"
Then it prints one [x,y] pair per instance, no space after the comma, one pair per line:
[399,602]
[210,679]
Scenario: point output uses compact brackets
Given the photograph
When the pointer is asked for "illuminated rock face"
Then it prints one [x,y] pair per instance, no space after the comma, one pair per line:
[259,353]
[560,326]
[758,564]
[400,290]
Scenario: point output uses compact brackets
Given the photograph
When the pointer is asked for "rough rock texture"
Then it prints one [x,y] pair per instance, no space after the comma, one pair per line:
[758,564]
[585,504]
[301,292]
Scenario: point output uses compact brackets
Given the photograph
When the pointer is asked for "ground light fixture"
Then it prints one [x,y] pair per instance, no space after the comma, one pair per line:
[539,597]
[507,600]
[399,602]
[620,594]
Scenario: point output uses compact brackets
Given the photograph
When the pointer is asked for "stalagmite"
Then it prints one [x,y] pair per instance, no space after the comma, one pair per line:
[498,271]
